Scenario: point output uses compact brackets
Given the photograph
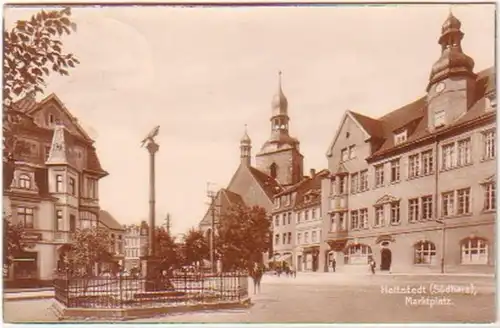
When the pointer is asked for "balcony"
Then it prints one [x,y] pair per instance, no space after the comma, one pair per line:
[339,234]
[338,203]
[63,236]
[89,202]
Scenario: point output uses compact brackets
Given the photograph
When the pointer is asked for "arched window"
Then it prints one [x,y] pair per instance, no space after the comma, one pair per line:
[24,181]
[474,251]
[425,252]
[357,254]
[273,170]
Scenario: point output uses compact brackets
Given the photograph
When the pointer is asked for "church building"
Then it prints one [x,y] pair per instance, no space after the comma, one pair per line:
[415,189]
[278,165]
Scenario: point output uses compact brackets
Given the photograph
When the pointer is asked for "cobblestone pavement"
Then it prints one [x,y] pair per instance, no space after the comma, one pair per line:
[330,299]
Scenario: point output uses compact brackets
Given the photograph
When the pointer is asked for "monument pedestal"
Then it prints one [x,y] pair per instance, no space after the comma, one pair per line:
[151,271]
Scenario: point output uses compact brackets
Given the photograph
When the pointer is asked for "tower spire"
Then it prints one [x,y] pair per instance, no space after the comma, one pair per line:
[246,148]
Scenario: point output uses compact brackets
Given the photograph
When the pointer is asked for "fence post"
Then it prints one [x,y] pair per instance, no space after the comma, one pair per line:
[185,283]
[121,298]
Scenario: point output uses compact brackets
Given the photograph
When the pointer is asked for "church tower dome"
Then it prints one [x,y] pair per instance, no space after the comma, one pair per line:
[453,60]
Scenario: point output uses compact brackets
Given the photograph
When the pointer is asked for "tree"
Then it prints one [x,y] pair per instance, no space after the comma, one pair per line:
[243,235]
[166,249]
[90,246]
[196,246]
[32,50]
[13,242]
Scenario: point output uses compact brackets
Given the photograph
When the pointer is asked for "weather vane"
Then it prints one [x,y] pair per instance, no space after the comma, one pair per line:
[151,135]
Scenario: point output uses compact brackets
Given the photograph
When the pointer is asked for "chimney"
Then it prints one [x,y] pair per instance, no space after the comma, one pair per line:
[313,173]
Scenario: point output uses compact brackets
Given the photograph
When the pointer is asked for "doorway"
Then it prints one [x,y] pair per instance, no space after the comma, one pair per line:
[299,263]
[385,259]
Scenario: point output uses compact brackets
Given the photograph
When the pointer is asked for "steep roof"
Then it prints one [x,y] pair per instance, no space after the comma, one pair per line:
[270,186]
[232,197]
[109,221]
[414,116]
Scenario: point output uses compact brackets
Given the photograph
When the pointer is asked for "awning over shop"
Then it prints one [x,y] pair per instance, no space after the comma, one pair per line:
[282,258]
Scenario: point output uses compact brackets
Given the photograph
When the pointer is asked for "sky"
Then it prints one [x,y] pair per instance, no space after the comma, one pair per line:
[203,73]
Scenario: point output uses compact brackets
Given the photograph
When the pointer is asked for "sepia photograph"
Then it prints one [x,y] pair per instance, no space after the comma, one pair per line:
[249,163]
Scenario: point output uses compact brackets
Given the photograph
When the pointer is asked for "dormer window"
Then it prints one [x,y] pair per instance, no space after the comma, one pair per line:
[52,120]
[400,137]
[24,181]
[439,120]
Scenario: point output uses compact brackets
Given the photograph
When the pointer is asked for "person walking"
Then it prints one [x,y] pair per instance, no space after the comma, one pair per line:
[334,264]
[372,265]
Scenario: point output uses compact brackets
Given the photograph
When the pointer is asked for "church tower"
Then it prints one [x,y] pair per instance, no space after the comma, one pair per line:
[246,149]
[280,156]
[450,91]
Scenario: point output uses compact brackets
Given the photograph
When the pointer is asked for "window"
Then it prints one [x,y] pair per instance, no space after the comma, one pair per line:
[51,119]
[72,186]
[395,170]
[427,162]
[448,204]
[357,254]
[277,239]
[87,219]
[72,222]
[299,217]
[352,151]
[25,216]
[379,216]
[314,236]
[59,220]
[379,175]
[284,219]
[313,214]
[414,166]
[289,237]
[395,213]
[354,183]
[287,199]
[425,252]
[277,201]
[448,156]
[277,221]
[474,251]
[489,144]
[47,152]
[273,169]
[363,218]
[344,155]
[306,215]
[413,210]
[439,119]
[289,218]
[463,154]
[284,238]
[343,185]
[342,223]
[401,137]
[463,201]
[427,207]
[363,183]
[24,181]
[354,220]
[306,237]
[299,238]
[333,187]
[489,197]
[333,226]
[59,183]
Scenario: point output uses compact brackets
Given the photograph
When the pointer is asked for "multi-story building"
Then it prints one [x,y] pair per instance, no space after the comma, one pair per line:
[135,242]
[297,223]
[50,184]
[416,188]
[117,234]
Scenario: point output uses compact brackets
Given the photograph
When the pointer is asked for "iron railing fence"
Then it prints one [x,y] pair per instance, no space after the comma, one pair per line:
[122,292]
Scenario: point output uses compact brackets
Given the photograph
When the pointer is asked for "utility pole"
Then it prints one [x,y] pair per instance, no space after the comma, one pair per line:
[212,195]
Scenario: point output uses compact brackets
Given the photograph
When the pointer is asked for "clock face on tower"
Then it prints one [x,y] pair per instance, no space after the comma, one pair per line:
[440,87]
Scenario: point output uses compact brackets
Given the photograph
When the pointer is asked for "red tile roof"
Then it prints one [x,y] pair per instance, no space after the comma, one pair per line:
[414,116]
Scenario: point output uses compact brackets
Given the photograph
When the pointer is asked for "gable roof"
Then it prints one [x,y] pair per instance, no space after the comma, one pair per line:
[30,106]
[109,221]
[414,115]
[232,197]
[270,186]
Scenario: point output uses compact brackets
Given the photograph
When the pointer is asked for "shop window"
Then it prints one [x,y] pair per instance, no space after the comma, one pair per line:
[357,254]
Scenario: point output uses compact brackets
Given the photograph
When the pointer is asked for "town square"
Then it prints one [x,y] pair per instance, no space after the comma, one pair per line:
[221,163]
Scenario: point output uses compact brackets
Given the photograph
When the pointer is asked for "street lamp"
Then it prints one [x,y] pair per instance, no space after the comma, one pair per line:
[443,228]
